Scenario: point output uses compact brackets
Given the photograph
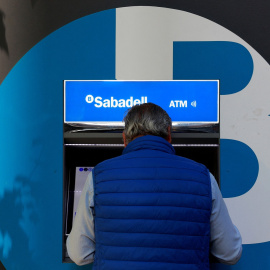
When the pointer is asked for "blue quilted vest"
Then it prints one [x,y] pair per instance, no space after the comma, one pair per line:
[152,209]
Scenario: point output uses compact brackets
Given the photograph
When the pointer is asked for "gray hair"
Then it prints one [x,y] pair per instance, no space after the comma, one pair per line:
[146,119]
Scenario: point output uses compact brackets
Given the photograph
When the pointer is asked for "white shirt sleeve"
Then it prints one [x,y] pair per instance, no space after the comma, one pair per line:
[226,241]
[81,240]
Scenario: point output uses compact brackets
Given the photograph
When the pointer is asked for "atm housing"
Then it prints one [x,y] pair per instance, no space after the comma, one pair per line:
[86,148]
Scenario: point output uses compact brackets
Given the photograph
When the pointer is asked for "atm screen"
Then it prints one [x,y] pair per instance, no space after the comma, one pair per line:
[81,175]
[78,176]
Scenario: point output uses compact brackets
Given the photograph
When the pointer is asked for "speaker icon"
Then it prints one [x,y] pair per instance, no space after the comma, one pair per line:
[194,103]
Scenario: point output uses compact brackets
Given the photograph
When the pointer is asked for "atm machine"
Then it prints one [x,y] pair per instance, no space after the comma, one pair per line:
[93,114]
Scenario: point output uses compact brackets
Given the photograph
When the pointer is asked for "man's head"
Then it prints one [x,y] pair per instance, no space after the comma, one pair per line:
[146,119]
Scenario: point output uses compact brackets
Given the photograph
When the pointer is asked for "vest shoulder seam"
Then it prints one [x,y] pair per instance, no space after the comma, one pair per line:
[175,179]
[198,170]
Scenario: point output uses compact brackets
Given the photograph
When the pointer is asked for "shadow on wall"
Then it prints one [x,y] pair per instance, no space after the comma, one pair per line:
[14,242]
[3,41]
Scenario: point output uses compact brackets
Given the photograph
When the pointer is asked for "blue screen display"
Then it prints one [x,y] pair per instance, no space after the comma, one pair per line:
[108,101]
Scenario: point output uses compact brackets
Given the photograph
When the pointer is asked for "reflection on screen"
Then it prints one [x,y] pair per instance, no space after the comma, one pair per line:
[80,179]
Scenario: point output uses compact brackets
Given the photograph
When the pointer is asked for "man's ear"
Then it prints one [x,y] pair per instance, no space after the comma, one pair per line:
[124,138]
[169,138]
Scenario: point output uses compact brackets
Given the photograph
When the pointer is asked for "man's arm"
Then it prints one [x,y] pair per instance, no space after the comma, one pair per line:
[226,241]
[81,241]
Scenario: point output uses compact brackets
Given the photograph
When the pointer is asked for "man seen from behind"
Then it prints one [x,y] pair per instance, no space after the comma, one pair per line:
[151,209]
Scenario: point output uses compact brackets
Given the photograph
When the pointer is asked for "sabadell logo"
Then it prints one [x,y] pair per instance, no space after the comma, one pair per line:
[113,102]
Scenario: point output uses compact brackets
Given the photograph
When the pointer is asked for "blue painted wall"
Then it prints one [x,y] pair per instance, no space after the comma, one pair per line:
[31,116]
